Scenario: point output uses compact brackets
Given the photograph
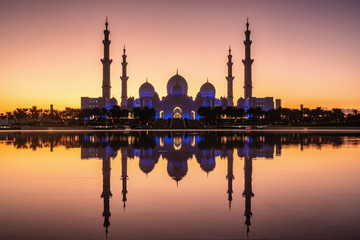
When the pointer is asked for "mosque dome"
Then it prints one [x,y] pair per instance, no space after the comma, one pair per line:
[207,90]
[177,79]
[146,90]
[177,90]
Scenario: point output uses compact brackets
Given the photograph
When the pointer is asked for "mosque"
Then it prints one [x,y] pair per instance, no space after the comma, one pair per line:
[177,103]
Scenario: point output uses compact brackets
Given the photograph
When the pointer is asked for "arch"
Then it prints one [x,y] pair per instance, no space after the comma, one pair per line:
[161,114]
[193,115]
[177,112]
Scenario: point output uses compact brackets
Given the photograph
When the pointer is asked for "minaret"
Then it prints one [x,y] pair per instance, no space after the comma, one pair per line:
[248,194]
[106,61]
[247,64]
[230,79]
[230,176]
[124,79]
[106,194]
[124,176]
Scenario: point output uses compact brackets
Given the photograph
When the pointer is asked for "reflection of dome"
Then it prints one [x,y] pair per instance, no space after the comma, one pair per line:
[207,90]
[177,79]
[146,90]
[146,164]
[177,169]
[206,160]
[177,90]
[207,165]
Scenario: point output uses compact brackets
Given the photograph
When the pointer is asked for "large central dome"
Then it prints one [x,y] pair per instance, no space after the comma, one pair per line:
[174,80]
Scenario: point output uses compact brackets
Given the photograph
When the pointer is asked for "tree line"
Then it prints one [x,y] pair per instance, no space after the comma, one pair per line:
[209,116]
[281,116]
[35,115]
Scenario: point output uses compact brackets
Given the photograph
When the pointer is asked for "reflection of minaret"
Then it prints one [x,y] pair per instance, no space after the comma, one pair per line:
[106,194]
[230,176]
[247,64]
[106,61]
[124,174]
[248,194]
[124,79]
[230,79]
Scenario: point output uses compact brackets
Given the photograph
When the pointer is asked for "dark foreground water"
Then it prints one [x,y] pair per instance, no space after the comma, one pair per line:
[174,185]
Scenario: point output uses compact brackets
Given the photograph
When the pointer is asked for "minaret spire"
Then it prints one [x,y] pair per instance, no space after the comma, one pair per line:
[106,194]
[124,80]
[124,176]
[106,61]
[230,79]
[248,194]
[230,176]
[247,64]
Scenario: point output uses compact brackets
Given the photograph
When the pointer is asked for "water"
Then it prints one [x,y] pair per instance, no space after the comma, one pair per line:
[175,185]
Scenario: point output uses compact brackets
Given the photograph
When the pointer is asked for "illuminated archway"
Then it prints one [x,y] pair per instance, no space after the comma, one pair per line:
[162,115]
[177,112]
[193,115]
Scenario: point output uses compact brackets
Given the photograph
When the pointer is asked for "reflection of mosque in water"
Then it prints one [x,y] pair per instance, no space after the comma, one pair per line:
[177,149]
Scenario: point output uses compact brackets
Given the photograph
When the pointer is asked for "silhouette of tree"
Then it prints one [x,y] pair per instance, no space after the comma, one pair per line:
[21,114]
[144,115]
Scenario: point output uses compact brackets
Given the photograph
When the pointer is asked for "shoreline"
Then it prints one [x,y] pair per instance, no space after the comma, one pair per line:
[266,129]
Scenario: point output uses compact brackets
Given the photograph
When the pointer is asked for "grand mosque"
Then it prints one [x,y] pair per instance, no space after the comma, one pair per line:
[177,103]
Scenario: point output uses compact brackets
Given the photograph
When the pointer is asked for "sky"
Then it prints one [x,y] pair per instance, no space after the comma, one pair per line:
[305,52]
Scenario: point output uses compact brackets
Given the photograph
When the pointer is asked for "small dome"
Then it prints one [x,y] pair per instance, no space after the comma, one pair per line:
[207,90]
[146,165]
[147,102]
[130,102]
[177,79]
[207,102]
[242,103]
[146,90]
[177,90]
[223,102]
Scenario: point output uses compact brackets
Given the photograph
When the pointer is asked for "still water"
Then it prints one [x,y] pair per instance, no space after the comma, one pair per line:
[179,185]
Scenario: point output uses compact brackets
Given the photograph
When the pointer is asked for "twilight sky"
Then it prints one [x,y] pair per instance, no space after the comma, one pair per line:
[306,52]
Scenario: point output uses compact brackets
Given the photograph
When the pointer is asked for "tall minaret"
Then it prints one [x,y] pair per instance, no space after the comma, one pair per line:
[247,64]
[124,79]
[230,176]
[106,61]
[230,79]
[124,176]
[106,194]
[248,194]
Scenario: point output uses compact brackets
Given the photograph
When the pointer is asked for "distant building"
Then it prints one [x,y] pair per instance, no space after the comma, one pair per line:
[278,103]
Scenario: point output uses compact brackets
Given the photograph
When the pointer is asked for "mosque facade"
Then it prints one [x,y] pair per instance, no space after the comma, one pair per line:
[177,103]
